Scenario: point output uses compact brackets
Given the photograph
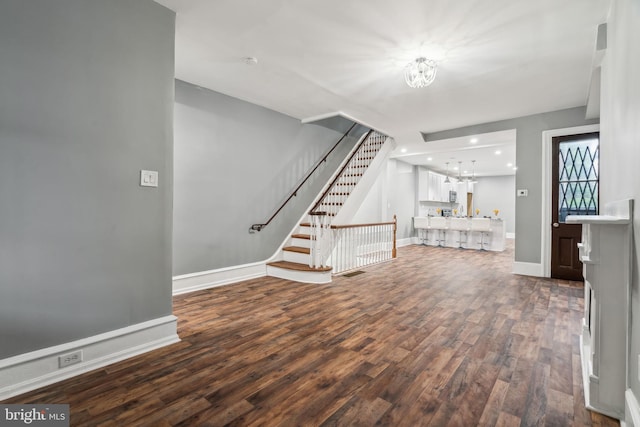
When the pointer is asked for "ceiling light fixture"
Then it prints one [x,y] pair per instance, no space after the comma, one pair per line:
[459,171]
[421,72]
[473,140]
[498,152]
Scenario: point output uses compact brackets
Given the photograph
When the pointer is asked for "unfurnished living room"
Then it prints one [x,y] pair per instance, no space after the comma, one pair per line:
[282,213]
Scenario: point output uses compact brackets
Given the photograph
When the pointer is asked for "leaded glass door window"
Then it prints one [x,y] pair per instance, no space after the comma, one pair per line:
[574,190]
[578,178]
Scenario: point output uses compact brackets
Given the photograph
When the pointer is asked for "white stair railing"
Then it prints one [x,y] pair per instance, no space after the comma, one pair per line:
[359,245]
[321,242]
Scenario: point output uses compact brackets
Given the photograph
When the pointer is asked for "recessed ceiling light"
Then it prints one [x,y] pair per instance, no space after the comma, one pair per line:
[404,150]
[465,171]
[429,158]
[473,140]
[515,168]
[509,165]
[498,152]
[455,168]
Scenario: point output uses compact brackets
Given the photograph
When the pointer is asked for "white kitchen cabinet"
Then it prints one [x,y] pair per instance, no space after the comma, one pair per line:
[436,184]
[605,252]
[432,188]
[423,184]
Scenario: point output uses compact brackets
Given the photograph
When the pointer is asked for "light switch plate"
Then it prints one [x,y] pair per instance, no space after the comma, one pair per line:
[148,178]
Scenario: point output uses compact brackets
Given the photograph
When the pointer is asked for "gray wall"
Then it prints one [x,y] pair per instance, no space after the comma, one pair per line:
[529,160]
[402,195]
[620,142]
[497,192]
[235,163]
[392,194]
[86,99]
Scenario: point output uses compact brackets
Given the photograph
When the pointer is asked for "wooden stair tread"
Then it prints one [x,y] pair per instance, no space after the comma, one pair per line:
[298,249]
[301,236]
[288,265]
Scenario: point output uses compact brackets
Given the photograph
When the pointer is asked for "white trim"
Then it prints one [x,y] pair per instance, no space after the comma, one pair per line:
[344,115]
[545,232]
[406,242]
[527,269]
[316,277]
[510,235]
[213,278]
[29,371]
[632,409]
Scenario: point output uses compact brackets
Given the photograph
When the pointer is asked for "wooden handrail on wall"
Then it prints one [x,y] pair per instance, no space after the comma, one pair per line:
[294,193]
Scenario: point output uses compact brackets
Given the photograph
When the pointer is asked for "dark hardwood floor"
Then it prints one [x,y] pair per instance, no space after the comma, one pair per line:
[437,337]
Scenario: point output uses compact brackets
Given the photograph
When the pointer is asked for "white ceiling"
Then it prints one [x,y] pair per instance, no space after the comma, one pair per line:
[494,154]
[497,59]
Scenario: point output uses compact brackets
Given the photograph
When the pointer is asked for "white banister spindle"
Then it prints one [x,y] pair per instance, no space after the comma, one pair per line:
[314,239]
[320,240]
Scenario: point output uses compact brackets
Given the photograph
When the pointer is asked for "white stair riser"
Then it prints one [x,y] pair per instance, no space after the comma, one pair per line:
[304,243]
[296,257]
[304,230]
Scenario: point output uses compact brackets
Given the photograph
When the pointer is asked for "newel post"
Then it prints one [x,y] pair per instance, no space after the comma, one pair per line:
[395,229]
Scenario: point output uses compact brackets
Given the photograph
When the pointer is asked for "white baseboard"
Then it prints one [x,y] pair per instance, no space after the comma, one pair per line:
[528,269]
[632,409]
[29,371]
[407,241]
[213,278]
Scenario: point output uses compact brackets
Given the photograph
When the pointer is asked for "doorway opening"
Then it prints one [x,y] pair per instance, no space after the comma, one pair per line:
[574,191]
[577,193]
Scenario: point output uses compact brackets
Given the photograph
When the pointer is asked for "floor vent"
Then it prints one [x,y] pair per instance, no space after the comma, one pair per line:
[353,273]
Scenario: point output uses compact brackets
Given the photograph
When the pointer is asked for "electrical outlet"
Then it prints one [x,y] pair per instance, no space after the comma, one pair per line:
[70,358]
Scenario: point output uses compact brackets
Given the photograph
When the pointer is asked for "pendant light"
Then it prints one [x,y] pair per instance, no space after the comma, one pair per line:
[473,172]
[447,180]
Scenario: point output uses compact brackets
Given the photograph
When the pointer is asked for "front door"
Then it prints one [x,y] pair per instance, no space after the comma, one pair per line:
[574,192]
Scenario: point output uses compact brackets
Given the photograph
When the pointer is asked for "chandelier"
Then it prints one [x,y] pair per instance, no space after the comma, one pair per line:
[420,73]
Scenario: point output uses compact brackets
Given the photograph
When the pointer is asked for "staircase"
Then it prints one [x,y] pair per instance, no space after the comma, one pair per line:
[303,257]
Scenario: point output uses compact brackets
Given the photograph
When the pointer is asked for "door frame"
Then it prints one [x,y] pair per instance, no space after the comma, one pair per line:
[547,161]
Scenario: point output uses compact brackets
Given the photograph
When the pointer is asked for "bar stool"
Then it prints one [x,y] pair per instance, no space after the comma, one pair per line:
[483,226]
[461,225]
[439,223]
[421,223]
